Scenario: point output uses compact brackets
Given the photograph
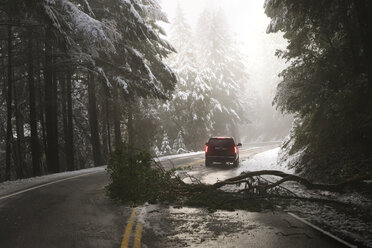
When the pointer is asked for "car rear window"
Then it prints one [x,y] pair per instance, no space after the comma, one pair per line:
[221,142]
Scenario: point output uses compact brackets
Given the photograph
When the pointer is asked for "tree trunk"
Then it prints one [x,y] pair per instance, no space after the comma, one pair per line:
[117,129]
[103,129]
[108,121]
[62,81]
[19,162]
[364,13]
[93,121]
[51,110]
[130,126]
[41,110]
[35,146]
[3,73]
[70,127]
[9,132]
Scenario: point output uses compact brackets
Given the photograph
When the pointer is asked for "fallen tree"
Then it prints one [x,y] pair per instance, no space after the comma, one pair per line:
[246,177]
[136,178]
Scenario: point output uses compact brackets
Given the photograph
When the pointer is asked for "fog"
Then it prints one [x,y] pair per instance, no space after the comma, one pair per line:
[247,24]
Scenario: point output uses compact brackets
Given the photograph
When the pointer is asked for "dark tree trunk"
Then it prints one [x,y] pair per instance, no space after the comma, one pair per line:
[41,108]
[70,128]
[51,110]
[108,128]
[62,81]
[364,13]
[104,133]
[93,121]
[105,115]
[105,151]
[35,146]
[130,126]
[19,158]
[9,132]
[117,129]
[3,73]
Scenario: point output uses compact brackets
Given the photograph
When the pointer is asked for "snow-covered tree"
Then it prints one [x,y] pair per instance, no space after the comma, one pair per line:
[190,104]
[223,70]
[156,150]
[165,148]
[179,144]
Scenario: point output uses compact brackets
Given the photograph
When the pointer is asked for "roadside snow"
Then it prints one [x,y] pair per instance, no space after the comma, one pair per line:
[10,187]
[351,221]
[263,161]
[178,156]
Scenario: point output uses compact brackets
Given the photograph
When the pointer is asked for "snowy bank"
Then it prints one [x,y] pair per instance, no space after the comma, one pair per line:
[10,187]
[263,161]
[352,223]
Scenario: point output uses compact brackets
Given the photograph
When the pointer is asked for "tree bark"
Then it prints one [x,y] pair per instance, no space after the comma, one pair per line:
[51,109]
[104,127]
[93,121]
[130,126]
[19,161]
[364,13]
[9,133]
[35,146]
[108,121]
[70,127]
[41,110]
[62,80]
[117,128]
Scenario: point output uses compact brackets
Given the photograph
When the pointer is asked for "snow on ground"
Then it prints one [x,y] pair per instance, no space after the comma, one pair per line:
[9,187]
[352,221]
[178,156]
[263,161]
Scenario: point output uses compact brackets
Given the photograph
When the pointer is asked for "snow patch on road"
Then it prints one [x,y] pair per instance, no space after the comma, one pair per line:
[10,187]
[178,156]
[145,210]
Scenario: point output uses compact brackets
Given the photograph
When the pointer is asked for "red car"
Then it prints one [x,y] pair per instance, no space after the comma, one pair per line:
[222,150]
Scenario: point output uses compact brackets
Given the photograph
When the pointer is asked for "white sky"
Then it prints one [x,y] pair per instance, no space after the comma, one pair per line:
[249,22]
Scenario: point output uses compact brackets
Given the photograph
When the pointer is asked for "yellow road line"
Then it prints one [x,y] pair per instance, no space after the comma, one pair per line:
[192,163]
[128,229]
[139,226]
[137,238]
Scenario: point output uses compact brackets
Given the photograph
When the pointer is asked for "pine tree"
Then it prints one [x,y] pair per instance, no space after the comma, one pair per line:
[156,150]
[57,48]
[223,70]
[327,84]
[165,145]
[179,144]
[189,108]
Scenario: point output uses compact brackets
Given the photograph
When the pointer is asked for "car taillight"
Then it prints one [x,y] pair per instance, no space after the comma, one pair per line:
[235,150]
[206,149]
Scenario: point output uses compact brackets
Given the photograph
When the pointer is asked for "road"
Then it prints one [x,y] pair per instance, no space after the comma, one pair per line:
[76,213]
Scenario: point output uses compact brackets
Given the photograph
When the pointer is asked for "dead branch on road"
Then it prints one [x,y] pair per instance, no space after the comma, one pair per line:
[248,177]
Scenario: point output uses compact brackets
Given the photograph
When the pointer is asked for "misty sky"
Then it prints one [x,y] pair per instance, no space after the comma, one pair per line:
[248,21]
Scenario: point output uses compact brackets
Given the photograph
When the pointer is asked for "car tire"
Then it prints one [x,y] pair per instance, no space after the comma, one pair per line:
[236,163]
[207,163]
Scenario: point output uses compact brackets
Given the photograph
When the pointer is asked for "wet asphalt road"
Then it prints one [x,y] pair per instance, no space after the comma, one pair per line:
[76,213]
[73,213]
